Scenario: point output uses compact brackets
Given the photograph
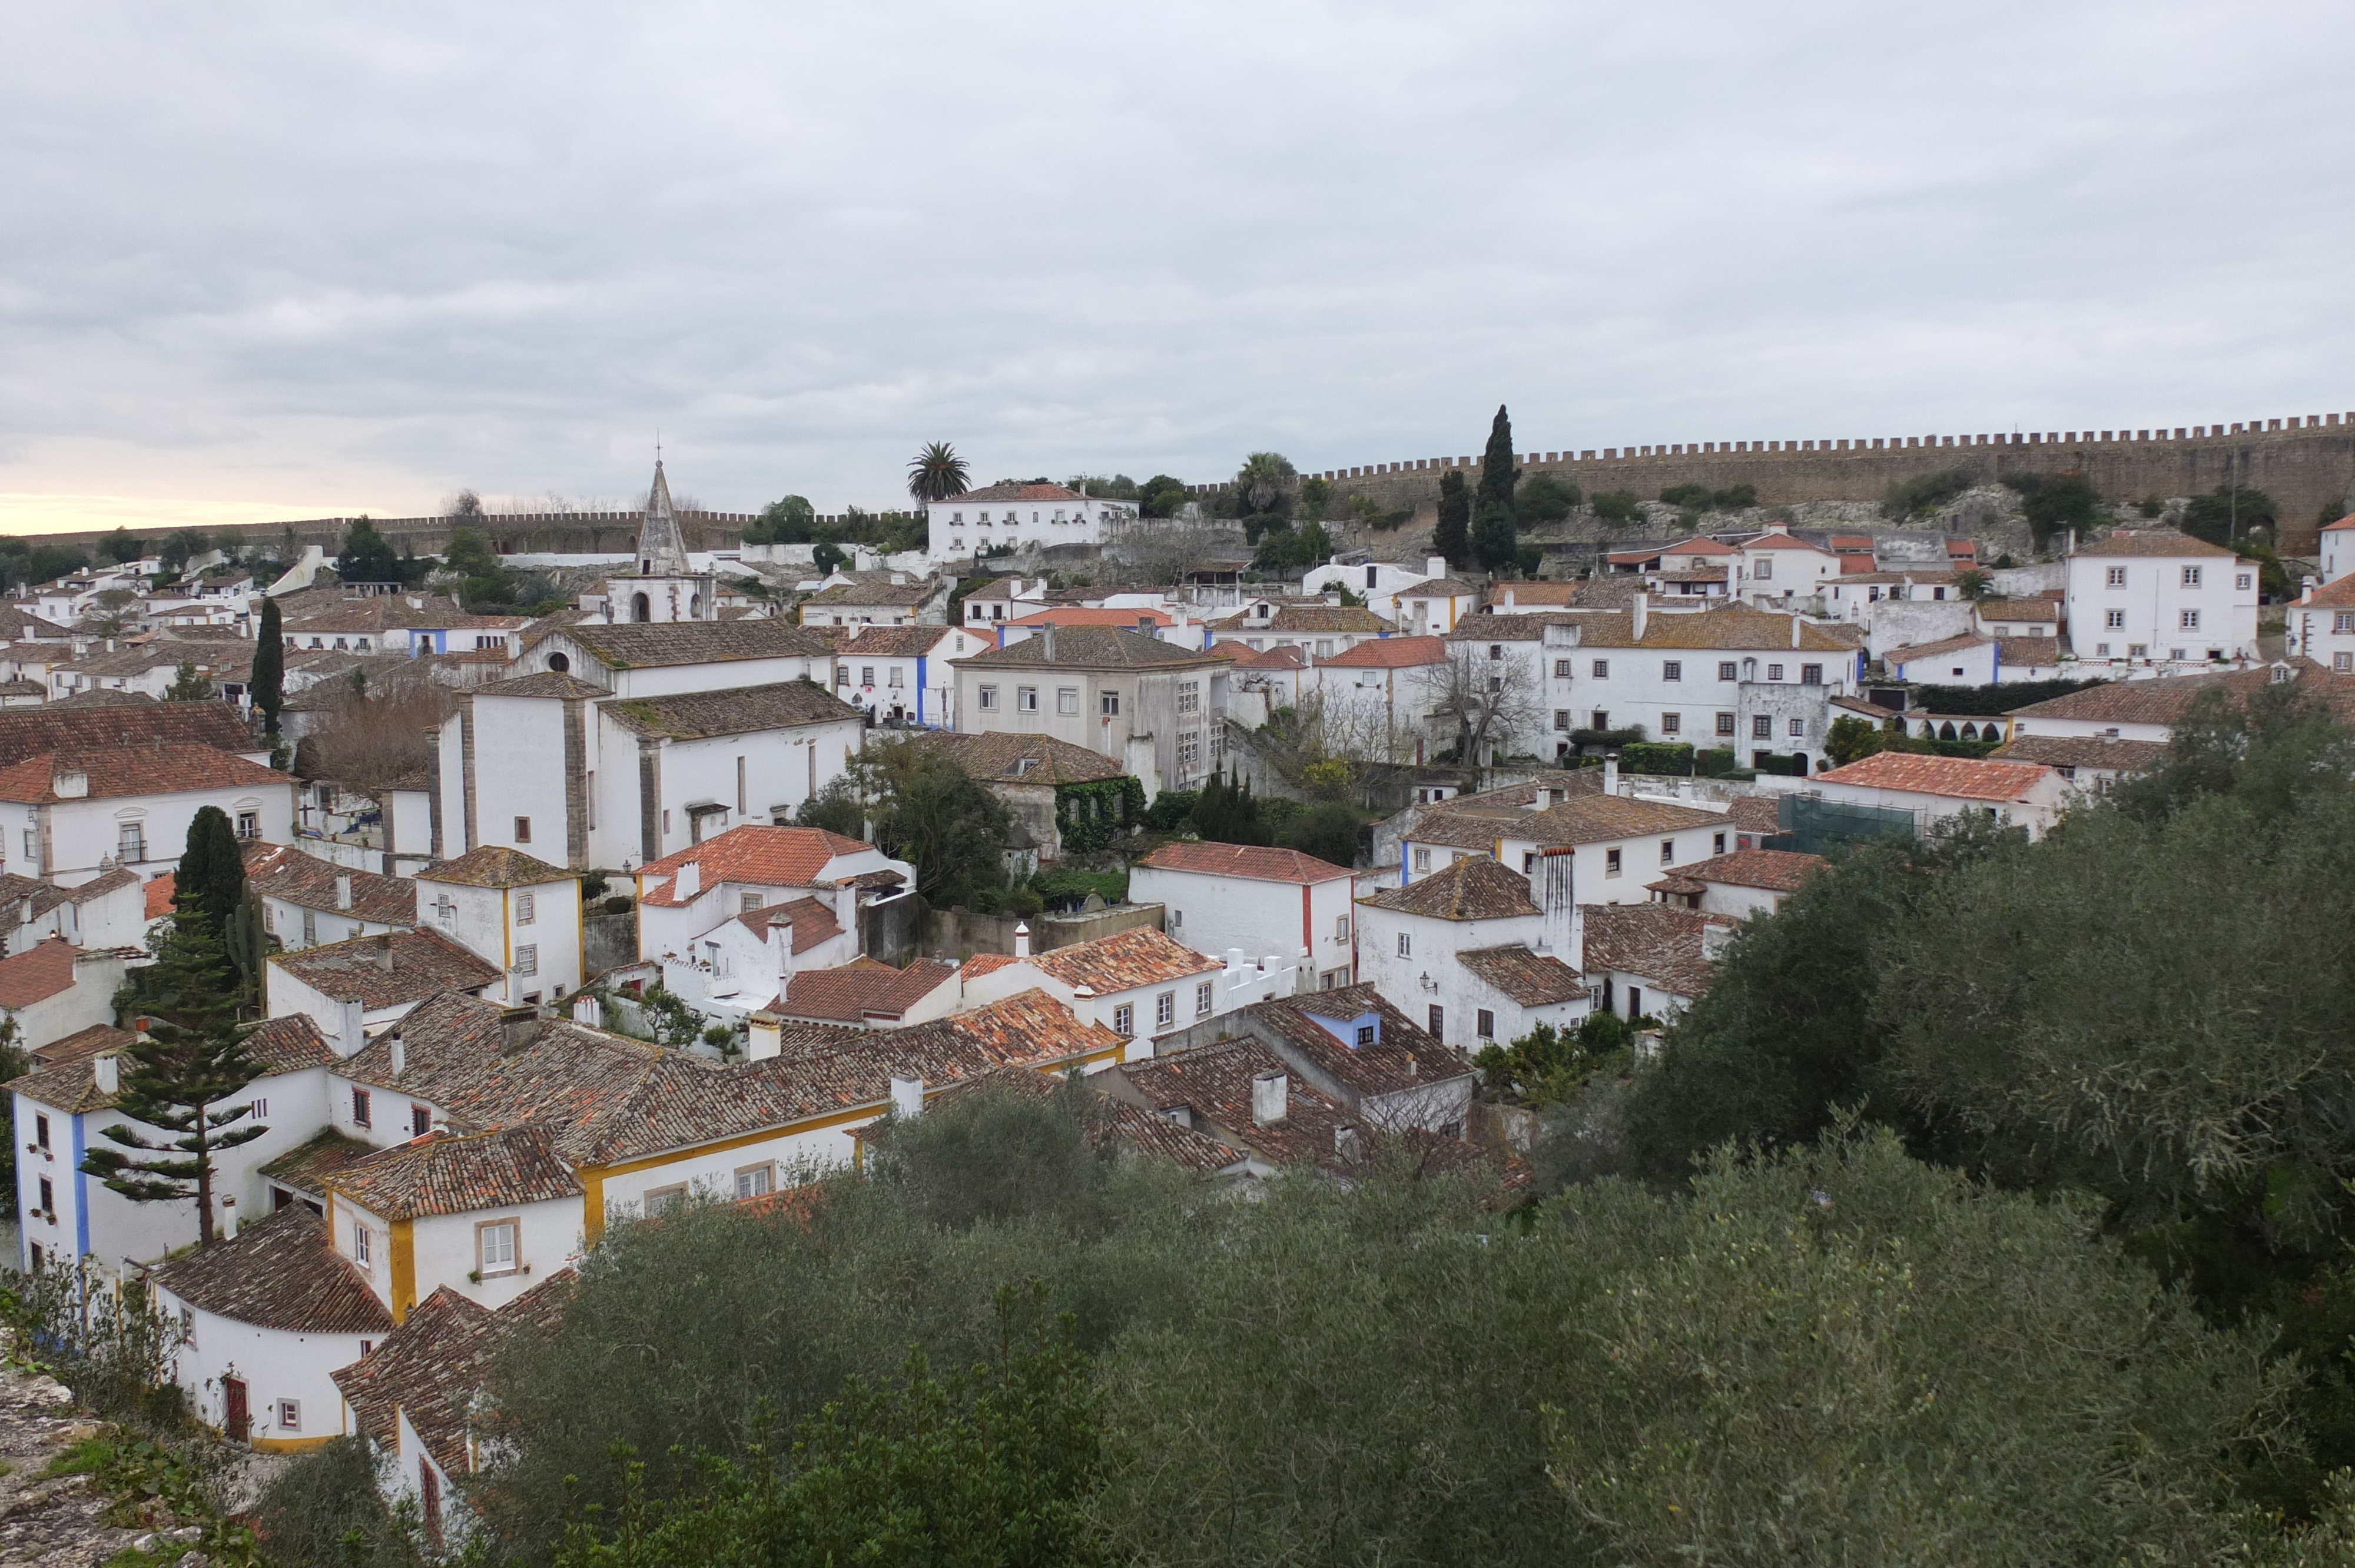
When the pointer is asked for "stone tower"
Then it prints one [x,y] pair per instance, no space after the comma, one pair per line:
[661,552]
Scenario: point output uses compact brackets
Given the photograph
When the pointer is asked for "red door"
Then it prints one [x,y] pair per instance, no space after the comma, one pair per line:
[428,1499]
[239,1421]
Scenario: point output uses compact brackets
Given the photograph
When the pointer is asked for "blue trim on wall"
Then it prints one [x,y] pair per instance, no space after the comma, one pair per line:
[920,688]
[81,1192]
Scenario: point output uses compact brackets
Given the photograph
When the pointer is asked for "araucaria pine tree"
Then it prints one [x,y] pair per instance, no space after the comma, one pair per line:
[1453,537]
[1493,539]
[268,680]
[176,1080]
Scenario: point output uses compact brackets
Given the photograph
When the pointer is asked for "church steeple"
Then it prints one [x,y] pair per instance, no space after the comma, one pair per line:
[661,551]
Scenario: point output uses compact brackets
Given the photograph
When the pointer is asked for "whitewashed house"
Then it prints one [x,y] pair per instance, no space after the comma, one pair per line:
[1278,903]
[1157,708]
[904,673]
[353,989]
[2337,541]
[54,989]
[2021,794]
[1739,883]
[520,913]
[693,891]
[1616,844]
[1140,984]
[2320,624]
[1469,951]
[71,817]
[2154,595]
[1651,960]
[1033,516]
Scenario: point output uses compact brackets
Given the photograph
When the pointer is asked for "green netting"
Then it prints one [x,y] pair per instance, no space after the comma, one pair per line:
[1810,825]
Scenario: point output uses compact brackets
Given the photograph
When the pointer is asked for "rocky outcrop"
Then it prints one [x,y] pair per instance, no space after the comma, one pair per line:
[61,1521]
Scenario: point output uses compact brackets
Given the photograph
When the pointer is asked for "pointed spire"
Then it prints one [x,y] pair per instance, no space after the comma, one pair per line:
[661,551]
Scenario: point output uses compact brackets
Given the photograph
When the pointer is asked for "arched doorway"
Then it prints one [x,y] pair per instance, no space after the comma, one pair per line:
[641,608]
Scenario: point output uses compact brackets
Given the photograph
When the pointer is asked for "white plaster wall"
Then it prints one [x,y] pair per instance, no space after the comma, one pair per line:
[275,1364]
[1640,862]
[2037,813]
[1211,914]
[1972,666]
[548,1238]
[283,920]
[83,832]
[518,772]
[2151,602]
[798,1155]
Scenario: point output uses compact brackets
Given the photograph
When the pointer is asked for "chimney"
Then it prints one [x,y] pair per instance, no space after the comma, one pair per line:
[1048,632]
[688,882]
[1794,631]
[70,786]
[1270,1097]
[517,1025]
[1611,773]
[1714,939]
[1434,565]
[1022,940]
[846,911]
[1144,625]
[384,952]
[907,1097]
[1642,613]
[400,1055]
[343,890]
[106,1072]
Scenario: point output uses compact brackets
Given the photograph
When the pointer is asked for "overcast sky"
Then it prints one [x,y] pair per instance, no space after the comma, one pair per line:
[292,259]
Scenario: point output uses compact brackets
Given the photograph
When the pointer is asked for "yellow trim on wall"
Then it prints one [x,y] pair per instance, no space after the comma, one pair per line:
[404,1268]
[289,1445]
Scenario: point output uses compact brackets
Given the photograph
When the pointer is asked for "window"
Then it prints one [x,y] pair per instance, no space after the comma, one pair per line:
[2191,620]
[1067,699]
[1202,1000]
[131,842]
[527,959]
[1672,724]
[1728,671]
[1165,1009]
[363,1246]
[1423,860]
[1761,727]
[866,676]
[1667,851]
[1611,863]
[1562,719]
[842,675]
[2114,577]
[2344,621]
[1562,668]
[1672,669]
[990,697]
[748,902]
[1190,697]
[1799,729]
[525,909]
[310,928]
[2241,581]
[2191,576]
[1323,647]
[421,1120]
[1716,846]
[1124,1020]
[29,853]
[249,824]
[896,682]
[494,1246]
[665,1200]
[1811,674]
[756,1181]
[1176,920]
[1496,650]
[48,1196]
[1725,724]
[41,1131]
[1765,569]
[1483,1024]
[523,829]
[2115,619]
[1108,705]
[2342,661]
[1438,1022]
[290,1415]
[2138,650]
[1603,669]
[1773,671]
[1026,699]
[360,1107]
[1406,942]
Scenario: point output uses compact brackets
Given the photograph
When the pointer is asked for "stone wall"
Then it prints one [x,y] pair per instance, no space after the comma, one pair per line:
[2305,463]
[961,933]
[613,533]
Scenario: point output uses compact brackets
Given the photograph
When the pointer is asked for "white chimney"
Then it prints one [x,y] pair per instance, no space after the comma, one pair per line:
[1022,940]
[1611,773]
[1714,939]
[1434,565]
[343,890]
[1642,612]
[907,1097]
[690,881]
[106,1072]
[1270,1097]
[71,786]
[1048,632]
[400,1055]
[1794,631]
[846,911]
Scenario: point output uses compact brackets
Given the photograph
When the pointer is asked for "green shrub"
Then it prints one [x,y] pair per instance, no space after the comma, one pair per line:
[1330,831]
[1735,497]
[1924,491]
[1716,763]
[1682,496]
[1641,756]
[1617,506]
[1778,762]
[2054,501]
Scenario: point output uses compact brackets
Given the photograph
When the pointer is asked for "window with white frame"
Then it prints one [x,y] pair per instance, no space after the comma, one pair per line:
[1124,1020]
[494,1247]
[1765,569]
[1165,1009]
[2342,661]
[1067,699]
[1341,928]
[526,909]
[757,1181]
[131,842]
[290,1415]
[988,695]
[1667,851]
[665,1200]
[2191,576]
[527,959]
[2115,619]
[1423,860]
[2115,576]
[1108,705]
[1026,699]
[1611,863]
[2191,620]
[1203,1000]
[1405,944]
[363,1246]
[2241,581]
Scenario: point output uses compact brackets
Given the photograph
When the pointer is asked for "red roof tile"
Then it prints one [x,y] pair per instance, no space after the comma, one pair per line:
[1954,777]
[1253,861]
[388,969]
[39,972]
[813,920]
[1124,961]
[443,1174]
[1389,654]
[1533,980]
[1473,888]
[136,771]
[754,854]
[1777,871]
[282,1271]
[862,988]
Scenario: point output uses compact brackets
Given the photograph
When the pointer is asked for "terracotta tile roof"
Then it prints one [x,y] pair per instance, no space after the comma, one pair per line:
[1951,777]
[385,613]
[41,971]
[18,625]
[2082,751]
[1777,871]
[2163,700]
[280,1272]
[1936,650]
[1214,1083]
[1085,615]
[1002,588]
[813,920]
[635,645]
[2032,651]
[1307,617]
[288,1045]
[308,1166]
[1091,647]
[1287,657]
[441,1173]
[754,854]
[1438,587]
[1406,1056]
[1115,1121]
[1540,592]
[891,642]
[2167,542]
[306,881]
[861,989]
[1389,654]
[1533,980]
[2338,594]
[140,770]
[159,893]
[1657,942]
[1256,862]
[388,969]
[1012,491]
[1474,888]
[1028,1029]
[542,684]
[494,865]
[873,593]
[68,1086]
[1581,820]
[1728,628]
[1141,956]
[1004,758]
[431,1368]
[1858,705]
[2019,609]
[741,710]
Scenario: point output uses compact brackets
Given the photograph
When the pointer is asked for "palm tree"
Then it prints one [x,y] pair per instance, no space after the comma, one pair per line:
[1975,583]
[936,473]
[1264,479]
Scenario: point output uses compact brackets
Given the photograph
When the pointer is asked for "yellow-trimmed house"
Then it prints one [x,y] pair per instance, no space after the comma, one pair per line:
[265,1317]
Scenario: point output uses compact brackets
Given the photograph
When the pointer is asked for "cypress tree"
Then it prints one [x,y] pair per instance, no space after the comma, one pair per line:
[212,870]
[1453,537]
[1494,538]
[268,682]
[176,1077]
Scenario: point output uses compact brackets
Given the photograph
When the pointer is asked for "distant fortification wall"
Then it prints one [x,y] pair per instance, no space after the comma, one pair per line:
[2307,465]
[555,532]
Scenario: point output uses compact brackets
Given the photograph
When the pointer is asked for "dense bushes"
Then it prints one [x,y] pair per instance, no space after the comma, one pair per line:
[1924,491]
